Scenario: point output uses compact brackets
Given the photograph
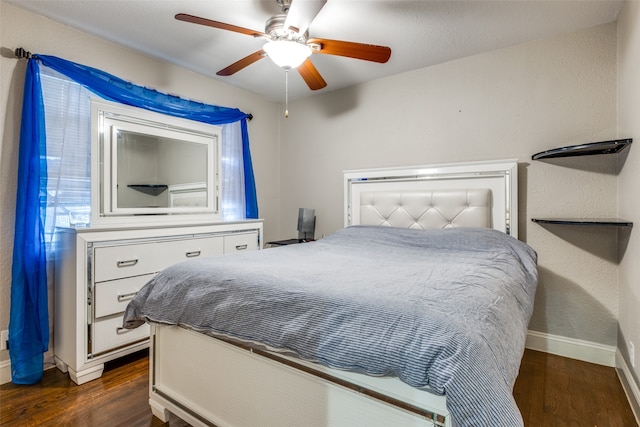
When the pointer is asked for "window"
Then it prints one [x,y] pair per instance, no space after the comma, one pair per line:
[68,153]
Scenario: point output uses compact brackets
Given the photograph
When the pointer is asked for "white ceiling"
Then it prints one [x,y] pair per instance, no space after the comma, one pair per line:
[419,33]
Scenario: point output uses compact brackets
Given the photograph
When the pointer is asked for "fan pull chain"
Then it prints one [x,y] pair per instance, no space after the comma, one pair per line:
[286,93]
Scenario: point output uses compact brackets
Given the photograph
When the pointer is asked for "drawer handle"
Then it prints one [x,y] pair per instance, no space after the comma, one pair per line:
[120,330]
[193,254]
[241,247]
[127,263]
[127,297]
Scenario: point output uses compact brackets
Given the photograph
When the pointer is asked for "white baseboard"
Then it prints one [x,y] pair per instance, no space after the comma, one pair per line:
[5,371]
[575,349]
[628,384]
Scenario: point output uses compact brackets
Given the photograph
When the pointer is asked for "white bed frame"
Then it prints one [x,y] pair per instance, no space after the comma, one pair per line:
[207,381]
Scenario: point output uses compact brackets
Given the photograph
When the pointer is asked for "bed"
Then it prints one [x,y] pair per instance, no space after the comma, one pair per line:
[399,319]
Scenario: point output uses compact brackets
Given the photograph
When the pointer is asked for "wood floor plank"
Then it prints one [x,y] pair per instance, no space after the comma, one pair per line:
[551,391]
[557,391]
[118,398]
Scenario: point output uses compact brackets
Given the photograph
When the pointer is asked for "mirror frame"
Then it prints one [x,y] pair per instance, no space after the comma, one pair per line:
[107,119]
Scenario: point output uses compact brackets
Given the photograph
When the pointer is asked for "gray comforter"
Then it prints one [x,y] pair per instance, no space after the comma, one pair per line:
[443,309]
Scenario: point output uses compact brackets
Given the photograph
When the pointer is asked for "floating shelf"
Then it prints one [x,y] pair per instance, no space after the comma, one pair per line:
[592,148]
[598,222]
[151,189]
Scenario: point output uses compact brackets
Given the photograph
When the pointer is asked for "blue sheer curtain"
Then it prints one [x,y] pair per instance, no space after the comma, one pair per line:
[29,318]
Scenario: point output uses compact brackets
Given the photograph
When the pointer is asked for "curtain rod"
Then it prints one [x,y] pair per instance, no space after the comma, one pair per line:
[20,53]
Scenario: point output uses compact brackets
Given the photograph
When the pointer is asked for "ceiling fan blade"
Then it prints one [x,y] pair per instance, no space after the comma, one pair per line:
[301,13]
[215,24]
[366,52]
[311,76]
[244,62]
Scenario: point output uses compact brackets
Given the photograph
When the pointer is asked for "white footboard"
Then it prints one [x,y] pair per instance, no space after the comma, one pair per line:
[206,381]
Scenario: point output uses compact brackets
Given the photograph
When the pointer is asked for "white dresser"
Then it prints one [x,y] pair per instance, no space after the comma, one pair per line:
[98,271]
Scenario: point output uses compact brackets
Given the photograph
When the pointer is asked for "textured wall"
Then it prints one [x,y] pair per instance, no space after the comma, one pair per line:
[509,103]
[628,200]
[19,28]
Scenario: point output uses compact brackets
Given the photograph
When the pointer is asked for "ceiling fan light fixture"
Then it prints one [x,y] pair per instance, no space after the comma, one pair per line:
[286,53]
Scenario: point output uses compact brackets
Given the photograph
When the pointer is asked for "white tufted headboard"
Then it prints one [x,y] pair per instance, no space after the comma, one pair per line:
[427,209]
[482,194]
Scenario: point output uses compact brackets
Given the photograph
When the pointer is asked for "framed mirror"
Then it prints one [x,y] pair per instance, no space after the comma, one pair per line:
[151,164]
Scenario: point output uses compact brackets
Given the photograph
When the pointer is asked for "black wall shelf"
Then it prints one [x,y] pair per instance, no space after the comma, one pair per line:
[592,148]
[589,149]
[591,222]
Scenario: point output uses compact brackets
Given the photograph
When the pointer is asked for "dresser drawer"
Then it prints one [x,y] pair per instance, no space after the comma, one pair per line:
[199,247]
[240,242]
[116,262]
[109,334]
[113,296]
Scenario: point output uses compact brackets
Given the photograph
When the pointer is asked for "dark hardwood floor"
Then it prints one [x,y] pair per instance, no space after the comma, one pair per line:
[557,391]
[550,391]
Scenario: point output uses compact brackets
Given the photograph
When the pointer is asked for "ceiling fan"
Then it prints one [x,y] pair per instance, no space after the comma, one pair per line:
[288,43]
